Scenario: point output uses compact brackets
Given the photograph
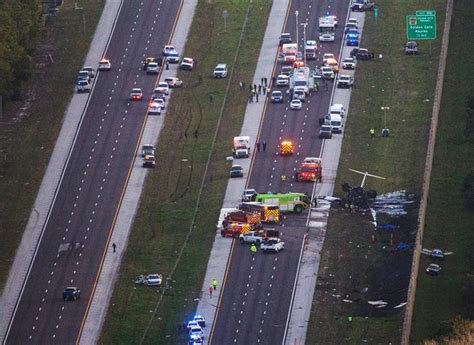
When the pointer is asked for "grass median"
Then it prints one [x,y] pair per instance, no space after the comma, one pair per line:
[355,267]
[448,223]
[171,191]
[29,128]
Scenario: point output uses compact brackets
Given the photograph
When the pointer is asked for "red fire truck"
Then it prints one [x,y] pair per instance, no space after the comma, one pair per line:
[310,170]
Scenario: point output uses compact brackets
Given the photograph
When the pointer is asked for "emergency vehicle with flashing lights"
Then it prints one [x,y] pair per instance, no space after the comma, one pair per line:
[309,171]
[289,202]
[241,147]
[105,65]
[268,213]
[286,148]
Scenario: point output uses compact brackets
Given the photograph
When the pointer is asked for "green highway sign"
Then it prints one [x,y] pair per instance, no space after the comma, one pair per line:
[421,27]
[425,13]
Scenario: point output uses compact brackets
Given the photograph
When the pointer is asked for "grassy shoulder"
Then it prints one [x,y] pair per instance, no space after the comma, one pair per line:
[448,223]
[167,205]
[351,259]
[29,128]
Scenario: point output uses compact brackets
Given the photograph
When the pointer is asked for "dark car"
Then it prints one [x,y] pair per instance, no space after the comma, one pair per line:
[285,38]
[362,7]
[411,48]
[71,294]
[361,54]
[236,171]
[276,97]
[433,269]
[148,149]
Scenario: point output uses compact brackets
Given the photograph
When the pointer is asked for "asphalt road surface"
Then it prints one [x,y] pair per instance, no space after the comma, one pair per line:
[76,234]
[256,300]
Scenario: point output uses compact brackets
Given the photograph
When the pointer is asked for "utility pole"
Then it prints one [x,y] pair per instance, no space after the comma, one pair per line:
[385,130]
[297,41]
[304,41]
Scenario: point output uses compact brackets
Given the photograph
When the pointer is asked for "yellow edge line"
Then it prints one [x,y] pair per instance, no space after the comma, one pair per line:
[246,184]
[124,188]
[266,98]
[222,290]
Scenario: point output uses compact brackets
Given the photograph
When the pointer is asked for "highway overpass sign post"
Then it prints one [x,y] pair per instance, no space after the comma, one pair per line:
[421,26]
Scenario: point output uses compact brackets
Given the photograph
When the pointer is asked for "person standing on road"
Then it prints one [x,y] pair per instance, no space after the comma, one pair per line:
[253,249]
[265,80]
[260,88]
[258,146]
[210,291]
[261,80]
[264,146]
[256,97]
[114,247]
[214,284]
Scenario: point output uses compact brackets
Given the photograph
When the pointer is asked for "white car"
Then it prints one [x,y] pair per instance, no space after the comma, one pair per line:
[282,80]
[149,280]
[344,81]
[167,49]
[152,68]
[311,43]
[349,63]
[273,244]
[220,71]
[105,65]
[162,87]
[196,333]
[327,72]
[173,82]
[154,108]
[172,57]
[187,64]
[159,102]
[296,104]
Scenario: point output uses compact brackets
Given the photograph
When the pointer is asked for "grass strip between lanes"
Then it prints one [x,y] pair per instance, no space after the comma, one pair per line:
[26,142]
[350,261]
[448,223]
[171,191]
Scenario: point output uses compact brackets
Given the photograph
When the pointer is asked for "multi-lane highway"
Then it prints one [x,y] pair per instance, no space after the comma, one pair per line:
[255,303]
[81,219]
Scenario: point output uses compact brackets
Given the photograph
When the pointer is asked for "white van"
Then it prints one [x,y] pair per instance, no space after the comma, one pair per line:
[337,109]
[335,121]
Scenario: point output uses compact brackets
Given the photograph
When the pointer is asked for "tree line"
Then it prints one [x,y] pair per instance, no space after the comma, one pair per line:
[20,28]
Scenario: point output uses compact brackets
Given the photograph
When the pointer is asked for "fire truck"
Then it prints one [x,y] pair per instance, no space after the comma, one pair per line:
[235,222]
[268,213]
[289,202]
[286,148]
[310,170]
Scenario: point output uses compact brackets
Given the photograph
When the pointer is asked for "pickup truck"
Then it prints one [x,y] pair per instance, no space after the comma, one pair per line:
[258,237]
[251,237]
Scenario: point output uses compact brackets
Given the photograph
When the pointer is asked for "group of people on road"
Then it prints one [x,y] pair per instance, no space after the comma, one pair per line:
[263,144]
[256,90]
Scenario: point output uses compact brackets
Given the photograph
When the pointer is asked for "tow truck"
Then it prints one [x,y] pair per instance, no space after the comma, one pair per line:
[309,171]
[289,202]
